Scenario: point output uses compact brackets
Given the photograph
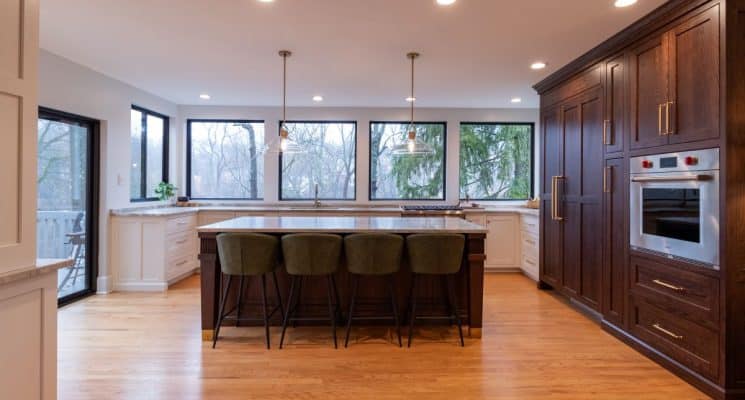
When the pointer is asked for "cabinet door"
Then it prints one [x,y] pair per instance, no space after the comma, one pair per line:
[648,89]
[552,150]
[502,244]
[614,125]
[693,112]
[581,197]
[616,242]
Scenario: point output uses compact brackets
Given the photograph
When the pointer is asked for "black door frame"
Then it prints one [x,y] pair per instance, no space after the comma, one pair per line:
[92,191]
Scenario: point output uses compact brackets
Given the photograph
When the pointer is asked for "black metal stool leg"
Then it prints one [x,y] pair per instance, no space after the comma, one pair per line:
[266,313]
[298,297]
[222,311]
[239,301]
[446,294]
[287,313]
[454,302]
[412,307]
[337,306]
[355,283]
[329,289]
[279,295]
[394,306]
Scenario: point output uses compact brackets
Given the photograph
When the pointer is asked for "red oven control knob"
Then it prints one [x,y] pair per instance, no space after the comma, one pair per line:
[647,164]
[691,160]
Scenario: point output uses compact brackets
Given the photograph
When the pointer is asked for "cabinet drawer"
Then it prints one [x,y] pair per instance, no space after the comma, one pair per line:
[529,223]
[693,345]
[181,224]
[180,243]
[686,293]
[530,243]
[179,265]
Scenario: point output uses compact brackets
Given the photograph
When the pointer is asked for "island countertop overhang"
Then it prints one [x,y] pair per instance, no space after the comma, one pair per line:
[329,224]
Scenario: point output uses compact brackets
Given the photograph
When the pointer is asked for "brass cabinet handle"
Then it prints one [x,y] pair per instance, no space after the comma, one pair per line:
[666,332]
[668,285]
[606,131]
[607,176]
[659,120]
[668,130]
[555,198]
[181,241]
[182,262]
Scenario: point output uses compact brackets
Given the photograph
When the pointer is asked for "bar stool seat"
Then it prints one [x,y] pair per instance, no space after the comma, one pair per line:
[373,254]
[247,255]
[435,254]
[311,255]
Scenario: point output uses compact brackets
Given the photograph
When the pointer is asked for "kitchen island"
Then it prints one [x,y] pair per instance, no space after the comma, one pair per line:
[470,280]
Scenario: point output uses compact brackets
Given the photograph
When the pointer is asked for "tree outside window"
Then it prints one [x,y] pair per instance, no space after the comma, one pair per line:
[496,161]
[406,177]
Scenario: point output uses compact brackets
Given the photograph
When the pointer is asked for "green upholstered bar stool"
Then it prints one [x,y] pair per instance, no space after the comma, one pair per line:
[435,254]
[373,254]
[247,255]
[311,255]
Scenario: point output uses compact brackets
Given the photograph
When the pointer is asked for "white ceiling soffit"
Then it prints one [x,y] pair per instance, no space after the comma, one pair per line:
[475,53]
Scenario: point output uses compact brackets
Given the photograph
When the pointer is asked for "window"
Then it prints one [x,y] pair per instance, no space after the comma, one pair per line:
[224,159]
[329,161]
[406,177]
[149,146]
[496,161]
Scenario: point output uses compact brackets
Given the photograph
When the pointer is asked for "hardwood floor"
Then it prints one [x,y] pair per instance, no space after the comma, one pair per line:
[148,346]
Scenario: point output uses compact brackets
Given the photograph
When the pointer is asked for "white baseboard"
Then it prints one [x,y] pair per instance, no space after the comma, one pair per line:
[141,286]
[103,284]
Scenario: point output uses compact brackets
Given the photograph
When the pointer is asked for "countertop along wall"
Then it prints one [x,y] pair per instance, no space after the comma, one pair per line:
[73,88]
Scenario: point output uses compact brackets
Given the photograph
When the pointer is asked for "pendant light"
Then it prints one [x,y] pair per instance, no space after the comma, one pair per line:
[411,145]
[284,144]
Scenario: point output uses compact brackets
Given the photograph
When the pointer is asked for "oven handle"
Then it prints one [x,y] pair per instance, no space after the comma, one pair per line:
[672,178]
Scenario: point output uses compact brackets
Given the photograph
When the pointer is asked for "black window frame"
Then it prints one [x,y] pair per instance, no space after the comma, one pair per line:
[188,154]
[444,159]
[532,157]
[279,159]
[143,152]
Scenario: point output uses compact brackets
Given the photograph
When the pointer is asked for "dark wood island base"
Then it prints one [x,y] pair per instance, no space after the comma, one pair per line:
[373,296]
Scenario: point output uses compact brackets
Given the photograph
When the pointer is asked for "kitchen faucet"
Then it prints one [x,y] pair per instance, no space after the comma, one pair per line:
[316,202]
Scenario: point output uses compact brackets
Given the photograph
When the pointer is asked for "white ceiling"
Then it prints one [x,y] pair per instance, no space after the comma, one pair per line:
[475,54]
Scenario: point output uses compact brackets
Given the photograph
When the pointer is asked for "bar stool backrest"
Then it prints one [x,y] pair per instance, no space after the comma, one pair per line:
[311,253]
[435,253]
[245,254]
[373,253]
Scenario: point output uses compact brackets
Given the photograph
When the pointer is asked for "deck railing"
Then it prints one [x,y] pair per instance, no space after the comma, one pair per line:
[51,230]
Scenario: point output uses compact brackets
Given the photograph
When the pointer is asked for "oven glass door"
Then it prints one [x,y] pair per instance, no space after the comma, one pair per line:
[673,213]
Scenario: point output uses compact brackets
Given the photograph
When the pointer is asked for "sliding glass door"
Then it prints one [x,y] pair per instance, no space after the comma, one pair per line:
[66,218]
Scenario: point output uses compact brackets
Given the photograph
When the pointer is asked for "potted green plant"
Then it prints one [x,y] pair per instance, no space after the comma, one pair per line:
[165,191]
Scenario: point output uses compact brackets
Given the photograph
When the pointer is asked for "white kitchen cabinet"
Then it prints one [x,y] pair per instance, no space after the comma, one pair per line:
[148,253]
[529,238]
[502,244]
[212,217]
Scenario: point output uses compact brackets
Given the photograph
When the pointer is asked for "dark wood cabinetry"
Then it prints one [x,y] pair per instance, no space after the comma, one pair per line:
[673,81]
[615,257]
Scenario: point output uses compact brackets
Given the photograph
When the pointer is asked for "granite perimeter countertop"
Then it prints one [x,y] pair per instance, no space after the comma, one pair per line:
[43,266]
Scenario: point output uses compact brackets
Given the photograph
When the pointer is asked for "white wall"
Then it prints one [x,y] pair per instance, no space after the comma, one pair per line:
[70,87]
[73,88]
[363,116]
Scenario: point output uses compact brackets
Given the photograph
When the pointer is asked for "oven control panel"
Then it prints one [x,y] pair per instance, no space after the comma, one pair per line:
[697,160]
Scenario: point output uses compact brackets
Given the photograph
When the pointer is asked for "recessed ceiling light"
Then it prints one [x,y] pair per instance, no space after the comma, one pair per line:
[267,1]
[538,65]
[445,2]
[624,3]
[317,98]
[516,100]
[411,99]
[204,96]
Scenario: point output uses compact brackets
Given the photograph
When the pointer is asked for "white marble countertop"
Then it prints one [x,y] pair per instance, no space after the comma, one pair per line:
[345,225]
[174,211]
[43,265]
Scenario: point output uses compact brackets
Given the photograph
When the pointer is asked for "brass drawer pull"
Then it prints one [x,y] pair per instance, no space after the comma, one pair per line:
[668,130]
[668,285]
[659,120]
[531,242]
[182,262]
[181,241]
[606,138]
[607,178]
[666,332]
[527,261]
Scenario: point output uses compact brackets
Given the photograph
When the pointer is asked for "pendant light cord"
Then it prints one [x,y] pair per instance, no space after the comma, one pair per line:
[284,87]
[413,99]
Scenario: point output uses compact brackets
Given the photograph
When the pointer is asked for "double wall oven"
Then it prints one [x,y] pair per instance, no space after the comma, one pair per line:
[675,205]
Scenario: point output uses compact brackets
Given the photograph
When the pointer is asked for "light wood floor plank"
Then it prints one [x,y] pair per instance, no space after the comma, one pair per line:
[148,346]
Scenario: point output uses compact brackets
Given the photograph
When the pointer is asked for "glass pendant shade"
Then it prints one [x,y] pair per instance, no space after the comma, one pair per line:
[283,144]
[412,146]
